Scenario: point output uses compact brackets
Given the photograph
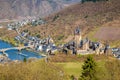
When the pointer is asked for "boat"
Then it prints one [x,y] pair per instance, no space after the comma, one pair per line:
[24,55]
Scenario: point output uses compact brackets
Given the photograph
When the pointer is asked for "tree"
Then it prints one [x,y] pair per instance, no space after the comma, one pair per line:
[89,69]
[72,77]
[38,36]
[25,59]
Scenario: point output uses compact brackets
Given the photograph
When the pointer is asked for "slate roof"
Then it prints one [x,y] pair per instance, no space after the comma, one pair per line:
[116,51]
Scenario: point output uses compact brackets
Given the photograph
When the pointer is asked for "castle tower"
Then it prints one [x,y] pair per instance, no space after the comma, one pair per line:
[77,36]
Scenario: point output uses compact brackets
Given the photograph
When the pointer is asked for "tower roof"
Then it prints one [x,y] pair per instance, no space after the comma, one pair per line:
[77,31]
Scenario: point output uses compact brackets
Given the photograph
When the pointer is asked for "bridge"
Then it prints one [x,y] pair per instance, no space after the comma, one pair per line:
[16,48]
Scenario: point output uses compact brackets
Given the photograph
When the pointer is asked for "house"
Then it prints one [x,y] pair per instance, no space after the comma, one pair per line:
[40,21]
[39,48]
[24,34]
[84,44]
[116,52]
[99,48]
[43,41]
[18,38]
[9,26]
[70,45]
[49,40]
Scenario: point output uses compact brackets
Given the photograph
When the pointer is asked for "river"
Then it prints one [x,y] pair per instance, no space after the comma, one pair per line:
[15,54]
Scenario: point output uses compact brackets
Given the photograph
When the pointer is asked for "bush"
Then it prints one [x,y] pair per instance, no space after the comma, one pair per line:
[60,37]
[72,77]
[38,36]
[25,59]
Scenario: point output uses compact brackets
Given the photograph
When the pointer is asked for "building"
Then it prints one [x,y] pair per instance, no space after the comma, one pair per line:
[116,52]
[77,36]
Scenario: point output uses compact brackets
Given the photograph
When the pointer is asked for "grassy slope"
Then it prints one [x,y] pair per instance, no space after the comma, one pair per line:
[75,68]
[37,70]
[72,65]
[72,68]
[112,24]
[102,69]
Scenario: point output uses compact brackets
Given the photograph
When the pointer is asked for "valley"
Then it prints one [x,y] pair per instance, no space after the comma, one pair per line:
[75,38]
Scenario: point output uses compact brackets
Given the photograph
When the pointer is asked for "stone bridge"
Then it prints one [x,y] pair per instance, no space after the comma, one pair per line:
[16,48]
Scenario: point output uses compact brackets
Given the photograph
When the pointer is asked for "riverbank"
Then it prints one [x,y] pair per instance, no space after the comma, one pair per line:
[14,43]
[9,41]
[37,52]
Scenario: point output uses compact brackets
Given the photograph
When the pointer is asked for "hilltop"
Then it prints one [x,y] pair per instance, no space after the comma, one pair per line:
[21,9]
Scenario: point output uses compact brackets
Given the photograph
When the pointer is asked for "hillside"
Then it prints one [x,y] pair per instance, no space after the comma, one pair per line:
[90,17]
[17,9]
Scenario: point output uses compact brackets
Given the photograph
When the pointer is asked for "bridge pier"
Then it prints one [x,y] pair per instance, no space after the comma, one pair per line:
[3,52]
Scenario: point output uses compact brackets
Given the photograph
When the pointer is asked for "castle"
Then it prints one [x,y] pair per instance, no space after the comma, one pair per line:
[85,46]
[80,44]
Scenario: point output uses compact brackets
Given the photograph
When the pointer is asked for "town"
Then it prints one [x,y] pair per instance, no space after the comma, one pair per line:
[77,46]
